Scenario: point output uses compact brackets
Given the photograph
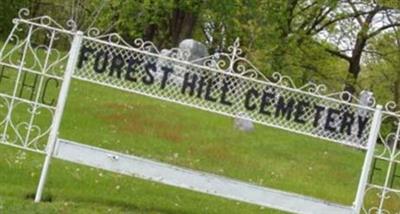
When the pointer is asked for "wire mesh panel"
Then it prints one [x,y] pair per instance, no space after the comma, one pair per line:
[236,90]
[32,64]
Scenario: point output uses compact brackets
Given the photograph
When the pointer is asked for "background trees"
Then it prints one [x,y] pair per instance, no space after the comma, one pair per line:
[346,44]
[352,35]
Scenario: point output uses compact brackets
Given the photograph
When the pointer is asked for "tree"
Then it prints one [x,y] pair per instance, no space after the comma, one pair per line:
[351,36]
[343,28]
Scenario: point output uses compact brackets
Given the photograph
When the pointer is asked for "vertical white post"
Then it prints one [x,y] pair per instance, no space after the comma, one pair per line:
[373,137]
[71,64]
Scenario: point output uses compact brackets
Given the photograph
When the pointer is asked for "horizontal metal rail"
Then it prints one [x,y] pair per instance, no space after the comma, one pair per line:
[193,180]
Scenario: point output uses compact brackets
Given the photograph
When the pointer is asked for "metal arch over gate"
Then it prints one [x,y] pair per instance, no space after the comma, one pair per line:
[223,83]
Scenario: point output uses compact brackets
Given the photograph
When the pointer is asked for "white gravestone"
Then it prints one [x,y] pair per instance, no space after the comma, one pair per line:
[243,124]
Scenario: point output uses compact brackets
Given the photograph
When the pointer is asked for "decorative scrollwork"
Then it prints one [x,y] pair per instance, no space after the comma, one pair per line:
[93,32]
[232,62]
[391,106]
[24,13]
[314,88]
[71,24]
[24,133]
[348,97]
[145,45]
[235,48]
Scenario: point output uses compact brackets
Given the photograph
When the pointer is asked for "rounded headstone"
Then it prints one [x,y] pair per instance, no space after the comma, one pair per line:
[244,124]
[196,49]
[366,97]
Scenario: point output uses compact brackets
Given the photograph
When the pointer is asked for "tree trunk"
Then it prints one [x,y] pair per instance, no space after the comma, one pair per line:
[35,5]
[181,25]
[397,91]
[352,76]
[150,32]
[183,21]
[355,63]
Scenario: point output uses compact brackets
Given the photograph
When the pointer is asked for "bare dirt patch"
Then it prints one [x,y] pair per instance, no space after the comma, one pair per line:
[132,120]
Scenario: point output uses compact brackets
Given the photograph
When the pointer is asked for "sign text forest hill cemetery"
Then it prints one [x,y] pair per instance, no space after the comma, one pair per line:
[229,93]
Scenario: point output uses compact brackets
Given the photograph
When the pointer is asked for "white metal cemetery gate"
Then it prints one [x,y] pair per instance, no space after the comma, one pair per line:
[36,69]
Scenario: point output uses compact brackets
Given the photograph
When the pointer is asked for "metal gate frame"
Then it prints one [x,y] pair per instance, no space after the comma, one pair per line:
[77,38]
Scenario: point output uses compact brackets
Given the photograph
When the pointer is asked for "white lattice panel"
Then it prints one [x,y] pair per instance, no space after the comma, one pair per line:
[229,93]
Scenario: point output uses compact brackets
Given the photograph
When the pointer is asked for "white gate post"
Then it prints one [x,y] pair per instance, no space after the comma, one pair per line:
[373,137]
[71,64]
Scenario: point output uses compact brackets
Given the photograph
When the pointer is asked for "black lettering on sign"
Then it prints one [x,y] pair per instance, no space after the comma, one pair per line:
[251,93]
[116,66]
[300,111]
[32,86]
[200,88]
[46,84]
[210,86]
[84,55]
[224,93]
[362,124]
[266,100]
[317,117]
[167,72]
[394,175]
[148,78]
[331,117]
[131,69]
[189,83]
[101,62]
[2,74]
[283,109]
[347,122]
